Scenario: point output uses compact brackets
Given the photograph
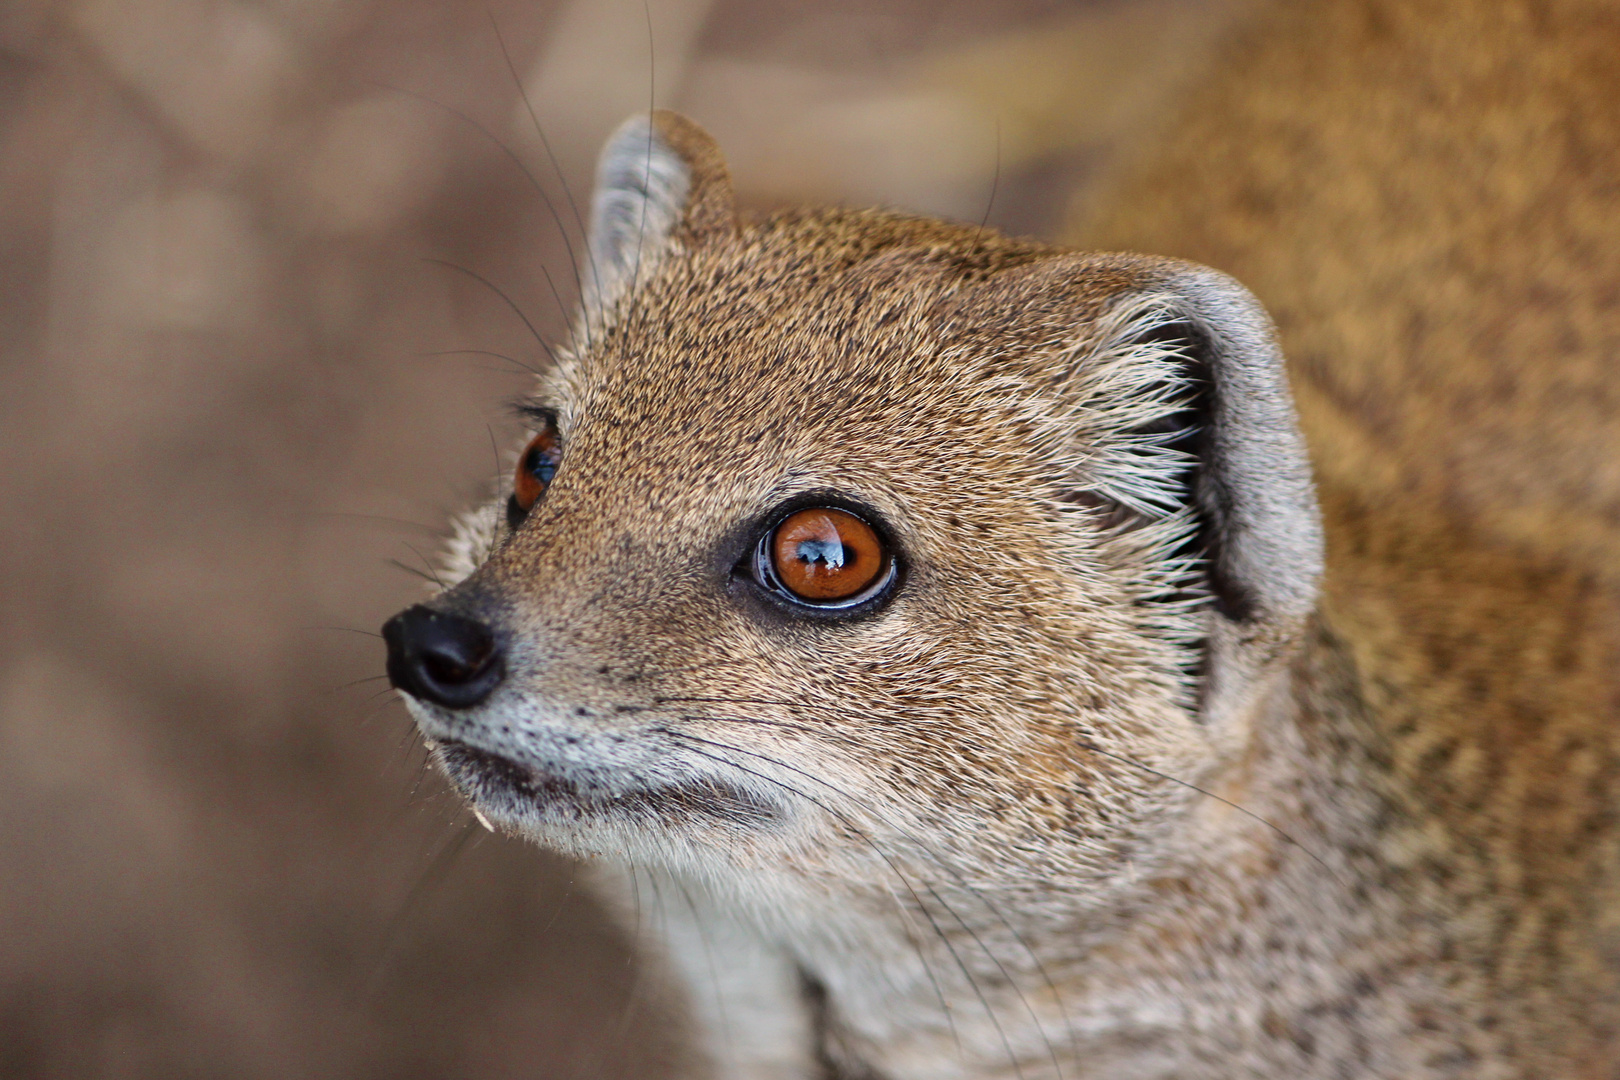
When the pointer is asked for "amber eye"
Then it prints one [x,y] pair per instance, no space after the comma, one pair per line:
[825,557]
[536,466]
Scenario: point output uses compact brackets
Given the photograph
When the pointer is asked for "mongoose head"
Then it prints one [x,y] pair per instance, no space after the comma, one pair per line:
[847,537]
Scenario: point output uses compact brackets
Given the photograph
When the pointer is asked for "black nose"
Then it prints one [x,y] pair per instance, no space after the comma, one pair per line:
[443,658]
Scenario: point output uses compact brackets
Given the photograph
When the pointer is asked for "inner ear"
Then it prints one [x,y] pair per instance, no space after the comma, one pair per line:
[1184,432]
[1174,417]
[660,182]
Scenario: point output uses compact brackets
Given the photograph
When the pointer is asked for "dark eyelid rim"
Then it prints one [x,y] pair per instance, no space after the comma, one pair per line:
[535,413]
[738,546]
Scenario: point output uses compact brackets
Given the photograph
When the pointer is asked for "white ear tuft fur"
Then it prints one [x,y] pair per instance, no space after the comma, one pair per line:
[642,185]
[1179,413]
[661,182]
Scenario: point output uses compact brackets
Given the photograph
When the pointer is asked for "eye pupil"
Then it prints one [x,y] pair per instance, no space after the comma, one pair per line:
[823,555]
[538,465]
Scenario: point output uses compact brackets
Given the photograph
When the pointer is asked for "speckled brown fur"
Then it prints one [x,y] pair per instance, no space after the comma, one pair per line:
[1065,804]
[1424,195]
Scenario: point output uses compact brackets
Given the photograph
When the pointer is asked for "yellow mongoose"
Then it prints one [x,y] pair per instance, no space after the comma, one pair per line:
[935,625]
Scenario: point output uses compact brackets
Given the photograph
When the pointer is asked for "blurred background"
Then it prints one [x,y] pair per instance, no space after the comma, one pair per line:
[241,393]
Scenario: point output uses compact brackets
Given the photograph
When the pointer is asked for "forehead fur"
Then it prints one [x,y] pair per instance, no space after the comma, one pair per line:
[793,293]
[882,325]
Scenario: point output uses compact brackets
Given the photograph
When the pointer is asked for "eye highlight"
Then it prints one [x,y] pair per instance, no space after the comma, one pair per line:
[536,467]
[823,557]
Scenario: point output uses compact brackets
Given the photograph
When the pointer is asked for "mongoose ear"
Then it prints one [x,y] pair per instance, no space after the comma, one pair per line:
[1181,435]
[1251,482]
[1190,427]
[660,181]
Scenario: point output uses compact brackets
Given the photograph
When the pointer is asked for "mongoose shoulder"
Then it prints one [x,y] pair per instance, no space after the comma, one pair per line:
[934,627]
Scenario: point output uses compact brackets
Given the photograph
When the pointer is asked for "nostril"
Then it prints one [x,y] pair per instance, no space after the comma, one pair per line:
[454,668]
[441,657]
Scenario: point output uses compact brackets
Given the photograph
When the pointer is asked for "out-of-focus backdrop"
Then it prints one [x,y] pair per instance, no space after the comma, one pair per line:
[240,391]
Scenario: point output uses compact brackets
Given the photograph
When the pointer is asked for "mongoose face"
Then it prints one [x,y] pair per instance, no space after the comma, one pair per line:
[843,530]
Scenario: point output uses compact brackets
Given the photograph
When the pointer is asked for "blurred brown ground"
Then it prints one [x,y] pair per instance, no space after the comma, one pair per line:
[229,401]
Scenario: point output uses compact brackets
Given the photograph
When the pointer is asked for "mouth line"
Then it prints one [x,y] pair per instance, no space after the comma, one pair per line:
[501,784]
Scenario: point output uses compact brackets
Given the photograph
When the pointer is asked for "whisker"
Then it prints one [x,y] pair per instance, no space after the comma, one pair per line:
[864,836]
[417,525]
[632,1000]
[375,711]
[995,184]
[534,181]
[490,285]
[409,569]
[556,167]
[410,741]
[714,973]
[1088,745]
[423,774]
[428,564]
[1084,744]
[949,868]
[344,630]
[431,878]
[836,713]
[568,892]
[352,683]
[635,892]
[563,308]
[495,451]
[531,369]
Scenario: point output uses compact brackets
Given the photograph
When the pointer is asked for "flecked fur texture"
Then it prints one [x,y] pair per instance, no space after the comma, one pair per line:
[1422,192]
[1108,785]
